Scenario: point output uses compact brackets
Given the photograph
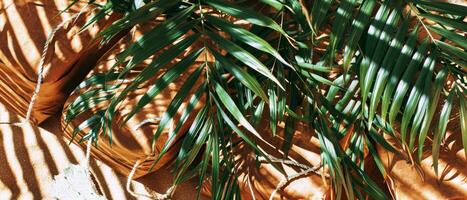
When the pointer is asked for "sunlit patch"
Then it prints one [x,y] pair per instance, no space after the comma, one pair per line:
[112,182]
[5,192]
[36,157]
[55,149]
[42,16]
[20,30]
[12,157]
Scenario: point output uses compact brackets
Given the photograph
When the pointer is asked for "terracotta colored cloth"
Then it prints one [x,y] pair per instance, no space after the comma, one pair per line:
[264,180]
[24,29]
[259,181]
[407,181]
[130,144]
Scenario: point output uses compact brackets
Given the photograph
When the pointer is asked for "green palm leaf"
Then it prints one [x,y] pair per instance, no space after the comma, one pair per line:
[350,70]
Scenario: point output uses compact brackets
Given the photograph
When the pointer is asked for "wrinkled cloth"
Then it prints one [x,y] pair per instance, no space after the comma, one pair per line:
[408,181]
[24,29]
[259,180]
[130,144]
[262,181]
[130,141]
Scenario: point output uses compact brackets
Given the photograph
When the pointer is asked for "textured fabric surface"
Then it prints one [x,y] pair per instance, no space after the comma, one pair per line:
[130,141]
[264,180]
[409,181]
[31,156]
[24,29]
[404,181]
[129,145]
[258,179]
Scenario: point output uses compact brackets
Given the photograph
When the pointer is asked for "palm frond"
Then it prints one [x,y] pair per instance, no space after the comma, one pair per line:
[355,77]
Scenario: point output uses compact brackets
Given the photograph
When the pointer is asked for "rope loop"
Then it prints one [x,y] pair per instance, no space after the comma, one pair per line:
[154,195]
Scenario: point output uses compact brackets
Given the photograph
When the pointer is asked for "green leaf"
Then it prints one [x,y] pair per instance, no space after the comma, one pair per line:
[444,7]
[92,121]
[338,83]
[405,82]
[157,64]
[457,24]
[453,51]
[348,95]
[243,56]
[194,149]
[122,6]
[463,119]
[314,67]
[385,68]
[330,151]
[244,136]
[424,88]
[164,81]
[289,132]
[376,157]
[258,114]
[273,110]
[247,14]
[214,140]
[156,39]
[144,47]
[414,97]
[246,37]
[173,107]
[372,59]
[433,99]
[241,75]
[318,12]
[282,95]
[86,102]
[228,102]
[191,136]
[372,188]
[204,166]
[92,135]
[300,15]
[358,26]
[405,59]
[98,79]
[456,38]
[321,79]
[377,26]
[344,12]
[103,11]
[440,130]
[141,15]
[375,136]
[274,3]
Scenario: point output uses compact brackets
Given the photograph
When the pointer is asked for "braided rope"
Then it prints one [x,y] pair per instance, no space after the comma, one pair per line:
[307,170]
[156,196]
[146,121]
[294,163]
[87,166]
[42,69]
[287,179]
[40,76]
